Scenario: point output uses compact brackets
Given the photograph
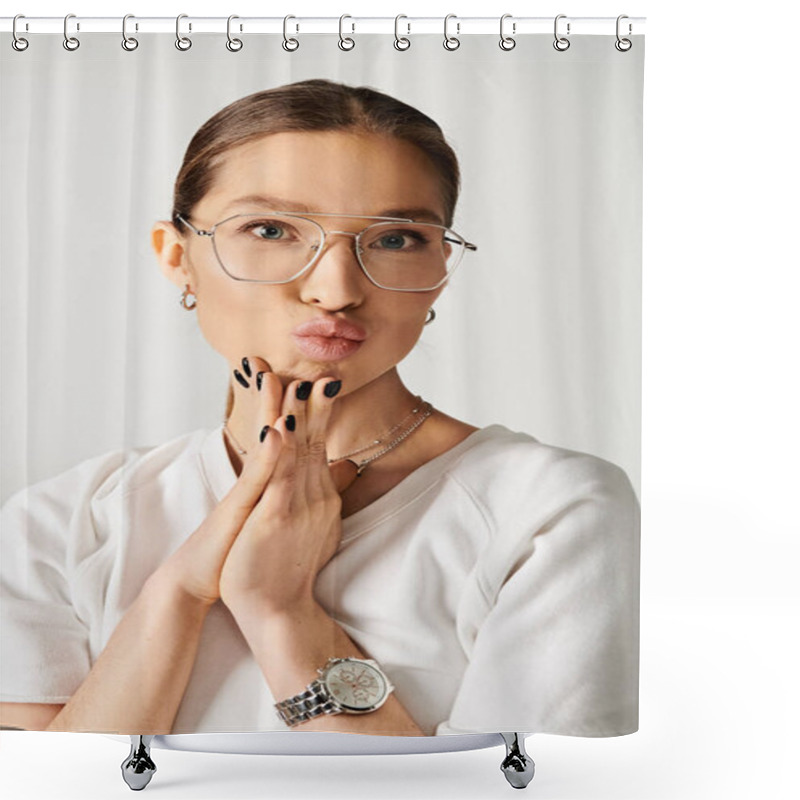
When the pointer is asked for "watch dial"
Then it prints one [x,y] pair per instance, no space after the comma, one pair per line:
[355,685]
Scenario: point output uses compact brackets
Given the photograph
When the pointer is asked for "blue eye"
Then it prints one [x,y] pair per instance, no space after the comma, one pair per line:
[392,241]
[399,240]
[268,231]
[265,229]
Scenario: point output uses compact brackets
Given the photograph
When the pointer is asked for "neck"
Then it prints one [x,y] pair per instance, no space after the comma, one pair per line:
[361,417]
[357,418]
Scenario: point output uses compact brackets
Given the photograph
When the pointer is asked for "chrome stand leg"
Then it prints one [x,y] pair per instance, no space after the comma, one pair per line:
[518,766]
[138,767]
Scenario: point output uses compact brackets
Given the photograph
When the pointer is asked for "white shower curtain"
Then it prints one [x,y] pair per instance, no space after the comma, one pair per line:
[540,330]
[537,331]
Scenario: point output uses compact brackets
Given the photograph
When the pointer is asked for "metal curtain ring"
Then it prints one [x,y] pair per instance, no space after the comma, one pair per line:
[70,42]
[561,43]
[507,42]
[345,42]
[182,42]
[18,43]
[288,44]
[128,42]
[400,42]
[234,45]
[623,45]
[451,42]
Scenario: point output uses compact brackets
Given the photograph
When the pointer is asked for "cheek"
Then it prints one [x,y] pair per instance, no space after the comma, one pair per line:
[236,321]
[214,321]
[401,331]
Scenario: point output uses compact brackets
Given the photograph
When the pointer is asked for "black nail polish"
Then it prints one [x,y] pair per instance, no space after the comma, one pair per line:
[304,390]
[263,434]
[259,380]
[239,377]
[332,389]
[291,423]
[246,365]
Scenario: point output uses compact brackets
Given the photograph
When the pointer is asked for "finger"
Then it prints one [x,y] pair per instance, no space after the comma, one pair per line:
[278,495]
[270,392]
[254,477]
[295,404]
[295,401]
[318,414]
[257,396]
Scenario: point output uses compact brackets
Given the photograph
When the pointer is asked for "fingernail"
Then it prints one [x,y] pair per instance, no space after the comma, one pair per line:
[332,389]
[259,380]
[239,377]
[263,434]
[290,422]
[246,365]
[304,390]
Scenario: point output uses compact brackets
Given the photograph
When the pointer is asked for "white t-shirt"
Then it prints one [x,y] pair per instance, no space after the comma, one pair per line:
[497,585]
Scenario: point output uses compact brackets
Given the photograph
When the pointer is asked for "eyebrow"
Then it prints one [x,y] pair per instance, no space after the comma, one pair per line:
[280,204]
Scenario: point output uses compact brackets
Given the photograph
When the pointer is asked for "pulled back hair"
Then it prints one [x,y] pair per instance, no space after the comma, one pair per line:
[311,105]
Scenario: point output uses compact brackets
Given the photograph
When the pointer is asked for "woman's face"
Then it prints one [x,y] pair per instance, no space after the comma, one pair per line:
[330,172]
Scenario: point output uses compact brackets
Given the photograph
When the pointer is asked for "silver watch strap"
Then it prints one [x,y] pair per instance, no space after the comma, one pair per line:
[308,704]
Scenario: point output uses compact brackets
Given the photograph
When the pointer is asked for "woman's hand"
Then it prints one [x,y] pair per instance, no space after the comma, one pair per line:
[194,569]
[295,527]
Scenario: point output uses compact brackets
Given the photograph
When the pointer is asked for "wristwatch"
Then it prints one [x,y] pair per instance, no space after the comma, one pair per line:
[344,686]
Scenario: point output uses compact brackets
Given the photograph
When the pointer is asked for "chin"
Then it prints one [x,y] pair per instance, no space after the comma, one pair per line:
[309,371]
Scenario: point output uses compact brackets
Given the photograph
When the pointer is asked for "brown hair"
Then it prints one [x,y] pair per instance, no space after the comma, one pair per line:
[311,105]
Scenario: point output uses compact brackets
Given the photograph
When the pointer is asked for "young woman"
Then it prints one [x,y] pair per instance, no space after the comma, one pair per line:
[339,555]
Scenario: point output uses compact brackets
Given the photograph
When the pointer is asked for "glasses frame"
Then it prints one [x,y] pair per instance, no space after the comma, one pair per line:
[324,235]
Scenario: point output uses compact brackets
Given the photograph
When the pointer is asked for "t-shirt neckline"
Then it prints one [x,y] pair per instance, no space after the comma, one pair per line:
[221,476]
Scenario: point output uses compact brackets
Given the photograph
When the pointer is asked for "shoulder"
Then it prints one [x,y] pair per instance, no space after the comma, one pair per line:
[520,458]
[513,471]
[79,521]
[576,512]
[100,476]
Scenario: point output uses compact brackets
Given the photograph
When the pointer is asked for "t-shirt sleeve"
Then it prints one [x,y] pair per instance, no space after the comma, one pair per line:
[44,644]
[557,649]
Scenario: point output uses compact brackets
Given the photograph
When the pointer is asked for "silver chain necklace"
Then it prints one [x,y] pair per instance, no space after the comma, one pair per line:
[423,408]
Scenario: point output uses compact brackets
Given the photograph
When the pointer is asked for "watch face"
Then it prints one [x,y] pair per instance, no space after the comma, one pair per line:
[356,686]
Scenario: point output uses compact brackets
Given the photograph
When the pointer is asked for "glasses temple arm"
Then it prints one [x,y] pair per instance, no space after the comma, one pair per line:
[189,225]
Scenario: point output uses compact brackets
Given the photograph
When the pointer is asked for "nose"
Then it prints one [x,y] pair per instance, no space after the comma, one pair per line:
[336,279]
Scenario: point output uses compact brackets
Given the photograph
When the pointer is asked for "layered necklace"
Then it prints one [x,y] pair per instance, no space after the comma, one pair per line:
[421,411]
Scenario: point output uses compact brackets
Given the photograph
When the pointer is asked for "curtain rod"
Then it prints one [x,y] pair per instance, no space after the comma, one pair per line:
[457,26]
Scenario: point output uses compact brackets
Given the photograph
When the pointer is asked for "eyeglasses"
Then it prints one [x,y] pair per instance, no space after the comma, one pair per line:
[279,246]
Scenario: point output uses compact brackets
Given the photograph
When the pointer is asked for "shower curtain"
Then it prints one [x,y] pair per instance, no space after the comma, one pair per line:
[495,585]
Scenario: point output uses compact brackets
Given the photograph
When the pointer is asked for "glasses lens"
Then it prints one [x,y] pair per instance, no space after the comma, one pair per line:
[403,255]
[396,255]
[266,247]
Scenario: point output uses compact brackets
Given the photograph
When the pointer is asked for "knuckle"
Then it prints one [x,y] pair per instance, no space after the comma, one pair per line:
[317,449]
[271,379]
[271,384]
[282,518]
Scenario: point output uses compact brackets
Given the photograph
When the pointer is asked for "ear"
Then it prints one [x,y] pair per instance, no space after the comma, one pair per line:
[170,249]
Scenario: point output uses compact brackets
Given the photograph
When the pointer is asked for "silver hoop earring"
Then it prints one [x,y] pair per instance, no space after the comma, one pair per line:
[186,292]
[431,316]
